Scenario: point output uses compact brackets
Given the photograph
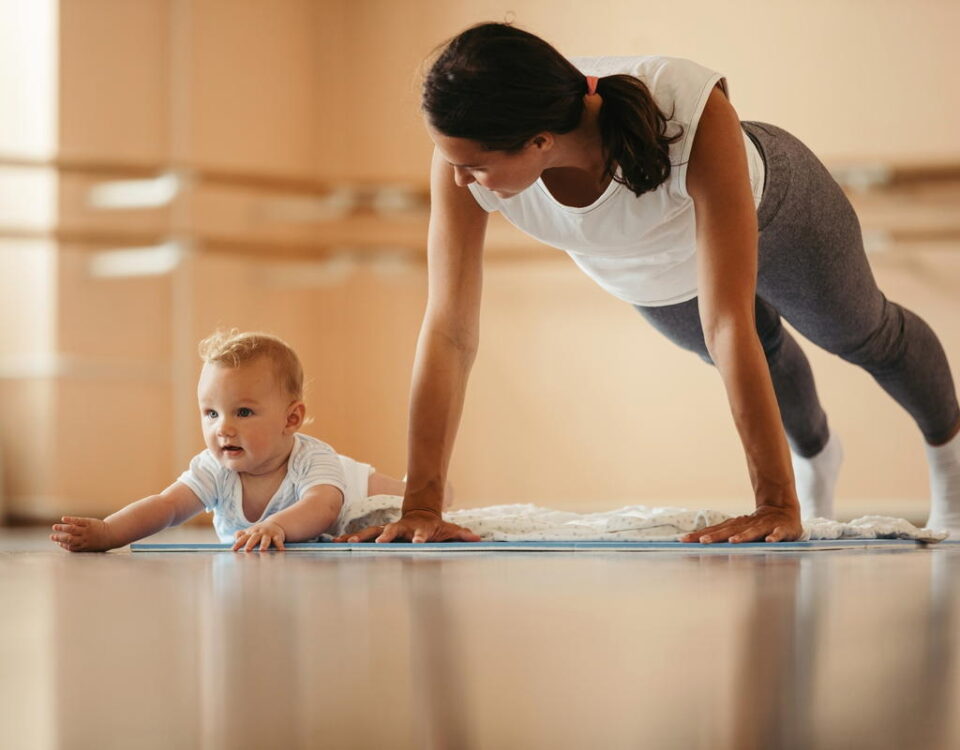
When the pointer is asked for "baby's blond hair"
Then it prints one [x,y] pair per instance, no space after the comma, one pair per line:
[233,348]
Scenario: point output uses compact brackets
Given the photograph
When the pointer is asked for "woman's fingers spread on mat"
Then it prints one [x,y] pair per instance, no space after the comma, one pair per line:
[421,535]
[749,534]
[417,527]
[719,533]
[410,528]
[781,534]
[779,524]
[709,534]
[767,523]
[389,532]
[445,531]
[366,535]
[453,533]
[760,526]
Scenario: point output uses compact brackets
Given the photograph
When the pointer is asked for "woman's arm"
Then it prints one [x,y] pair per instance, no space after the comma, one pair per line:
[446,348]
[718,181]
[384,484]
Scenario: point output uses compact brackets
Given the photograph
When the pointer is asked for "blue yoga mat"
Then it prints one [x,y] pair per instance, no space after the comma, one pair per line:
[573,546]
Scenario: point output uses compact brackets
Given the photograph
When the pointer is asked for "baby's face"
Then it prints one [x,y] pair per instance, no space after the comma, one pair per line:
[247,417]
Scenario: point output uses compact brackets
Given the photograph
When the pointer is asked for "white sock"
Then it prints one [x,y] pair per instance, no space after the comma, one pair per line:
[944,462]
[816,478]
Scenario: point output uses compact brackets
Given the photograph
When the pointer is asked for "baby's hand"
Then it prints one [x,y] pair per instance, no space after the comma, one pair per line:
[262,533]
[82,534]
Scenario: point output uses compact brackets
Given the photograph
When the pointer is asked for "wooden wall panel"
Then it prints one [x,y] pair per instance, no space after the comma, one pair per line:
[27,283]
[112,439]
[266,84]
[26,446]
[123,323]
[114,80]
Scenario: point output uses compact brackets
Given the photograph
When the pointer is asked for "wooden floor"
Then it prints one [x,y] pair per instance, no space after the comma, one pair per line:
[514,650]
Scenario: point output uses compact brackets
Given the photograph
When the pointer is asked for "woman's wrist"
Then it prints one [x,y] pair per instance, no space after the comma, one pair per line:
[785,502]
[407,510]
[427,498]
[772,479]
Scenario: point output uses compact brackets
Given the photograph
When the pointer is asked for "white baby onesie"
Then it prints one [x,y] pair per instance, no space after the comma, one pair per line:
[311,462]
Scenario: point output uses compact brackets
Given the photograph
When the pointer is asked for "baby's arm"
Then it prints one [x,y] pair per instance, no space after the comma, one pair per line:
[383,484]
[307,518]
[173,506]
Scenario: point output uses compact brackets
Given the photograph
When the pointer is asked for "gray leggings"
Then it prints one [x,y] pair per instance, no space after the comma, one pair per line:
[813,272]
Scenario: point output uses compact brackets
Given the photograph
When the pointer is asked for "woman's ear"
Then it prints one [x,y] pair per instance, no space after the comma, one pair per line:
[543,141]
[295,414]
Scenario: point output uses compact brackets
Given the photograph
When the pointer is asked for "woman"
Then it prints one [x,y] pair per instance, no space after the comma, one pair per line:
[713,229]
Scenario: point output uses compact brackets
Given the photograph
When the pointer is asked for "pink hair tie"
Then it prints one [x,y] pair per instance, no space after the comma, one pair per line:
[592,85]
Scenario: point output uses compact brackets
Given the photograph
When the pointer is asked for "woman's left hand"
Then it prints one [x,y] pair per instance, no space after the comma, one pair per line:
[767,523]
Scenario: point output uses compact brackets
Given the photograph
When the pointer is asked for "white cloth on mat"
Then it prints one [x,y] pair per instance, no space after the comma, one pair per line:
[637,523]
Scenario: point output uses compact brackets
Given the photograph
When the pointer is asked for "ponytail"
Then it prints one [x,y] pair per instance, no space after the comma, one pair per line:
[634,134]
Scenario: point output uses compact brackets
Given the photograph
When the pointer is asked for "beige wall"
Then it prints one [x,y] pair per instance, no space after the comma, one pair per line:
[574,401]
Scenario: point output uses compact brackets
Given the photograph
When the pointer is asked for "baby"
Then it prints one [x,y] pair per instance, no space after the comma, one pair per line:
[264,482]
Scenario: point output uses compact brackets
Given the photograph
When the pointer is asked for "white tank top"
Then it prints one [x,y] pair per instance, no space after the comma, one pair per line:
[640,249]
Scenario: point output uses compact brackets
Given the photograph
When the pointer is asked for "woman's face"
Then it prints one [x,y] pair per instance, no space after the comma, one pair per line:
[504,173]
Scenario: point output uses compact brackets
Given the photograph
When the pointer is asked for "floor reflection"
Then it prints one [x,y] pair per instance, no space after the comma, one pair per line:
[302,653]
[773,681]
[438,674]
[937,691]
[823,650]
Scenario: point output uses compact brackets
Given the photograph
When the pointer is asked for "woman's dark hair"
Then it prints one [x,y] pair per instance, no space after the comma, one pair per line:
[501,86]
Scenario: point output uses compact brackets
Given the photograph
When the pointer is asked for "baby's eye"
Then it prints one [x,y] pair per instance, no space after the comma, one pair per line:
[211,414]
[243,411]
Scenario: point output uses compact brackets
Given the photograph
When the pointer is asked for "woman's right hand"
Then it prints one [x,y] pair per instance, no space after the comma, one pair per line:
[416,526]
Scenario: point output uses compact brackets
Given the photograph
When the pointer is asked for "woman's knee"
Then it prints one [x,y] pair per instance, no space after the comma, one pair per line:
[883,345]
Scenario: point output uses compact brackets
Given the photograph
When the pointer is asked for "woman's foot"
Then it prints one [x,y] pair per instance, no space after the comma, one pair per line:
[944,463]
[816,478]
